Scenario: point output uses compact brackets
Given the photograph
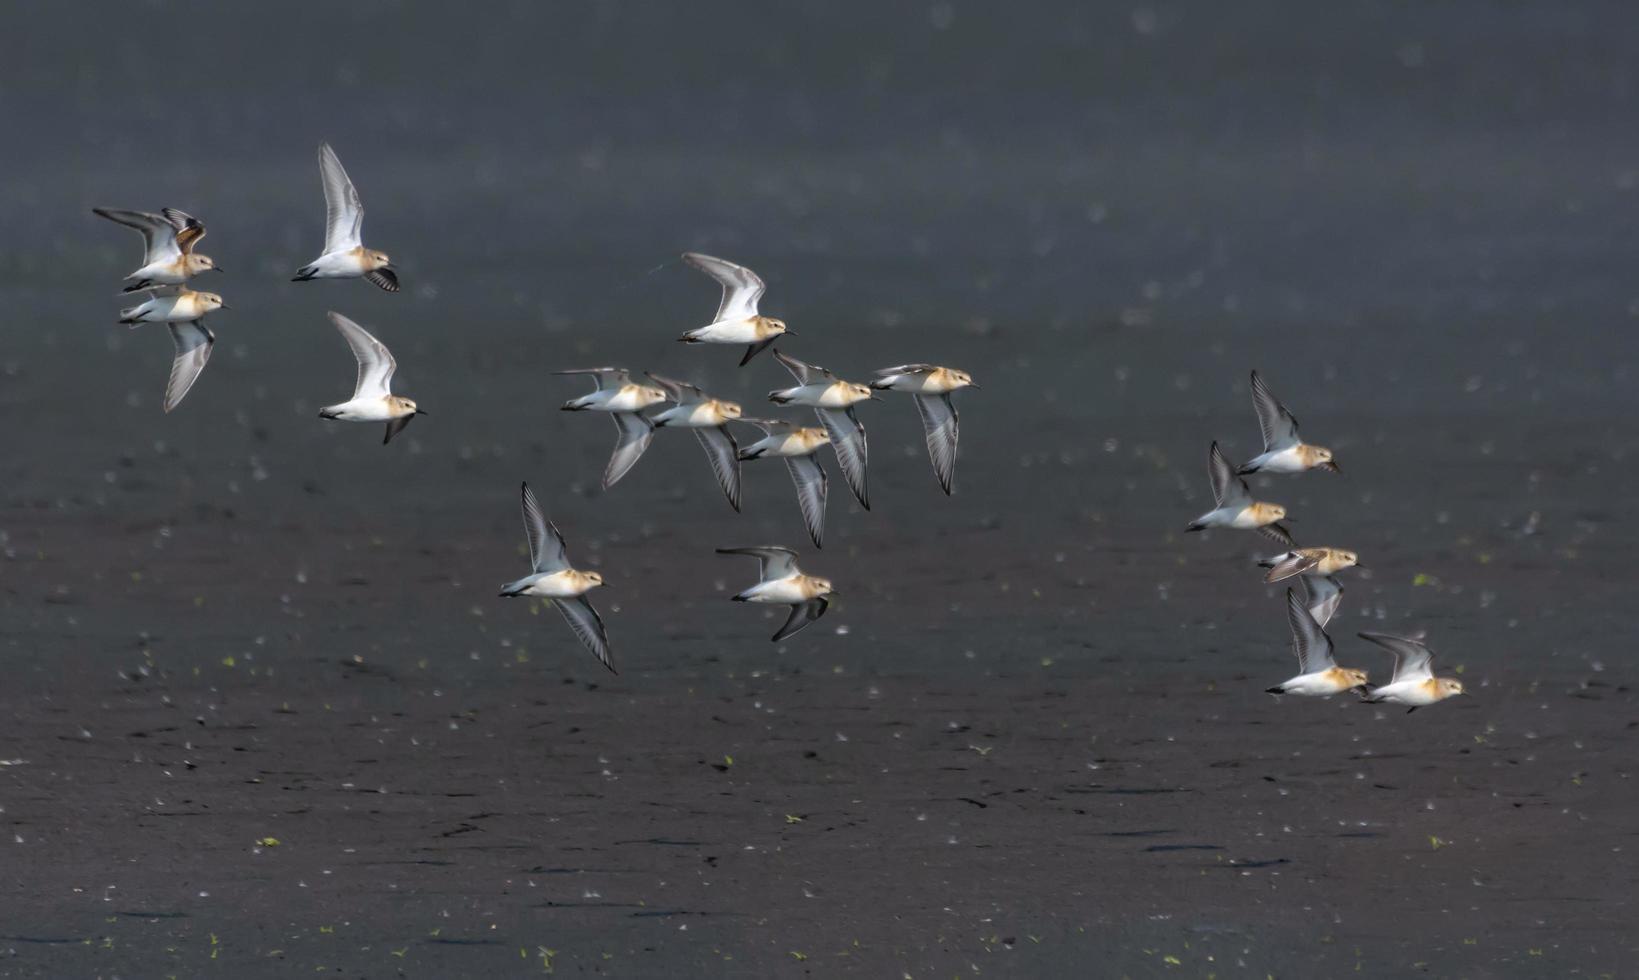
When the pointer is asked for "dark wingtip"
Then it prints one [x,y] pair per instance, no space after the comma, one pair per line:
[1273,690]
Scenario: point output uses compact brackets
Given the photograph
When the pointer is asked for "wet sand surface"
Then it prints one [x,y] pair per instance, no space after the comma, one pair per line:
[264,715]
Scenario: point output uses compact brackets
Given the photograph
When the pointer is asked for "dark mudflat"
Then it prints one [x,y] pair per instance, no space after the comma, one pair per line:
[1030,738]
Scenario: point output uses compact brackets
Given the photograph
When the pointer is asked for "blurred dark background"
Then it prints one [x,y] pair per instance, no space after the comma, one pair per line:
[1416,219]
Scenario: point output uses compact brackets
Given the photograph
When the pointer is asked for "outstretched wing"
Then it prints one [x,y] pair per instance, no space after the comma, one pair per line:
[1412,660]
[725,460]
[1279,533]
[547,552]
[908,369]
[809,476]
[1228,490]
[376,364]
[588,625]
[940,421]
[680,392]
[604,377]
[343,214]
[1280,429]
[189,229]
[804,373]
[1290,564]
[742,288]
[848,440]
[1311,644]
[1324,596]
[636,431]
[773,562]
[193,348]
[802,614]
[158,235]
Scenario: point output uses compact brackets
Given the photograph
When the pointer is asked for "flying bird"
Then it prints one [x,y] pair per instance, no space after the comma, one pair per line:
[169,238]
[932,386]
[184,312]
[625,399]
[1314,562]
[737,320]
[1283,450]
[345,256]
[782,582]
[1318,673]
[373,400]
[796,445]
[1413,683]
[833,401]
[552,578]
[182,306]
[1234,506]
[708,417]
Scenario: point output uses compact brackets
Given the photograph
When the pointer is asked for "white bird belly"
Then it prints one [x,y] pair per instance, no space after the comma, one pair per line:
[364,410]
[1246,519]
[624,400]
[166,273]
[556,585]
[1287,460]
[793,445]
[838,395]
[727,332]
[338,265]
[1319,684]
[1411,693]
[783,591]
[701,416]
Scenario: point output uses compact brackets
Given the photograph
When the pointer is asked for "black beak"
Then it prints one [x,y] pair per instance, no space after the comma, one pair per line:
[217,268]
[972,384]
[421,411]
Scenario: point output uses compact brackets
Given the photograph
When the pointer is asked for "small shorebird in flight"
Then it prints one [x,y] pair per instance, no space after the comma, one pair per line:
[1316,566]
[345,256]
[833,400]
[1283,450]
[708,417]
[1318,672]
[796,445]
[1413,683]
[1316,562]
[184,312]
[184,305]
[373,400]
[782,582]
[932,386]
[1234,506]
[737,320]
[169,238]
[552,578]
[625,400]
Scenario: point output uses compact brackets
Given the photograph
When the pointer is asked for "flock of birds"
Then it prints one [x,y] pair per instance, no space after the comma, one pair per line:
[170,261]
[1413,683]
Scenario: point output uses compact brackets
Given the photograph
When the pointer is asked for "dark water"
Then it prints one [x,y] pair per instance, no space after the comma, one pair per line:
[1030,739]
